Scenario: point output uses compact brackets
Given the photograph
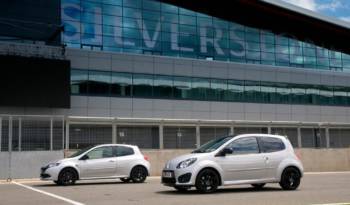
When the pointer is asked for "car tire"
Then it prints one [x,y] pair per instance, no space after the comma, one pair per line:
[181,188]
[138,174]
[258,186]
[67,177]
[125,180]
[207,181]
[290,179]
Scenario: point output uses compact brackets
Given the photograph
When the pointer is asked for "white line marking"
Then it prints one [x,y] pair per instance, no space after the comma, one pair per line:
[49,194]
[333,204]
[310,173]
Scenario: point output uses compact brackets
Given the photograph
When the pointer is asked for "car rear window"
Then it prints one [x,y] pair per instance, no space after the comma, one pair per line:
[123,151]
[271,144]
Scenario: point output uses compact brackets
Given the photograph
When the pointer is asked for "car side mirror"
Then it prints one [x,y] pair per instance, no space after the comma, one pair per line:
[225,151]
[85,157]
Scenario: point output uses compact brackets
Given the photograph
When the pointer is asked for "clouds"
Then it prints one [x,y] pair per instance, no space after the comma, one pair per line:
[307,4]
[321,5]
[336,8]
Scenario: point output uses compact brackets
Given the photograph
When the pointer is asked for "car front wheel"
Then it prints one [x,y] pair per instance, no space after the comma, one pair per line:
[67,177]
[290,179]
[138,174]
[207,181]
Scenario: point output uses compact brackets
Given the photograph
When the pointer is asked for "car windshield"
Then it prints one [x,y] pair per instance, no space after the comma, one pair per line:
[212,145]
[79,152]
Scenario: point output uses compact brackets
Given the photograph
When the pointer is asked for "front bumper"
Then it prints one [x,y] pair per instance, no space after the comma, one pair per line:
[178,177]
[49,174]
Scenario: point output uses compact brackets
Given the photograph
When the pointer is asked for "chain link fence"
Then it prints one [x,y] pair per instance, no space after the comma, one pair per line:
[28,140]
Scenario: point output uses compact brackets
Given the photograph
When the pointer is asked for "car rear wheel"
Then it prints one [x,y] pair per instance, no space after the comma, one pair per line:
[67,177]
[207,181]
[290,179]
[125,180]
[138,174]
[258,186]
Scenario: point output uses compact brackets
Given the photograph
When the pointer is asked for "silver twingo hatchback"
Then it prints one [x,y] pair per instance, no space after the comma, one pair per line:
[254,159]
[107,161]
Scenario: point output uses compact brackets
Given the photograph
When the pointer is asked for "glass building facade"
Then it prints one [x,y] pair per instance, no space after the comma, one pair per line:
[152,27]
[116,84]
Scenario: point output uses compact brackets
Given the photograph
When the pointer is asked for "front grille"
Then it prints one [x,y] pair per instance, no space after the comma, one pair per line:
[168,180]
[185,178]
[44,176]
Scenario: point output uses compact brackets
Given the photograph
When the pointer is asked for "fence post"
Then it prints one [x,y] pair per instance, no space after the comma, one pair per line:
[19,134]
[0,134]
[51,134]
[10,147]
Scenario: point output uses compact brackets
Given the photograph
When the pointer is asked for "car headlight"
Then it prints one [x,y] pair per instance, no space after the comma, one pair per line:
[186,163]
[53,164]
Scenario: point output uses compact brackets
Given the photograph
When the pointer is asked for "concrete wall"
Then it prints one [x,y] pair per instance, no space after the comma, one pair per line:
[26,164]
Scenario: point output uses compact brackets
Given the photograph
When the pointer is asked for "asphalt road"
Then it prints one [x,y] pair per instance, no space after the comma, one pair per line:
[315,189]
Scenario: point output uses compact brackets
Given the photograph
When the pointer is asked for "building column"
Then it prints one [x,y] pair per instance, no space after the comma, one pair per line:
[327,138]
[67,135]
[299,137]
[161,136]
[114,133]
[232,130]
[51,133]
[269,130]
[198,136]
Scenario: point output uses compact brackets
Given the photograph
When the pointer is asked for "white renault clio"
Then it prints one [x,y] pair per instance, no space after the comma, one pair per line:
[254,159]
[125,162]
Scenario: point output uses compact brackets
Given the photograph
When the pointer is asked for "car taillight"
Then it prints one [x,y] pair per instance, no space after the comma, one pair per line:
[298,155]
[145,157]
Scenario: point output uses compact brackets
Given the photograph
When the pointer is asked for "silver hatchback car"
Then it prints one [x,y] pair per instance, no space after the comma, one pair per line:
[254,159]
[125,162]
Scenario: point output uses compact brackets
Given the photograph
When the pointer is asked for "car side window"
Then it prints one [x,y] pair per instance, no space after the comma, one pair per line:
[271,144]
[121,151]
[100,152]
[247,145]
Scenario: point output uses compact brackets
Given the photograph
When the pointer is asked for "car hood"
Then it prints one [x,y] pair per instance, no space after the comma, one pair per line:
[172,164]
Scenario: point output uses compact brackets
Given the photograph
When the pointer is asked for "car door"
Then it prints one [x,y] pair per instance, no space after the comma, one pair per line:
[273,151]
[125,160]
[245,162]
[99,162]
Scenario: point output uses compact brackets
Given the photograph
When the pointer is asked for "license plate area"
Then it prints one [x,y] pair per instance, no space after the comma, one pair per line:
[168,174]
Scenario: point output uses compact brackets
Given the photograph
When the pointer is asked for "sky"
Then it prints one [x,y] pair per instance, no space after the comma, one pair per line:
[336,8]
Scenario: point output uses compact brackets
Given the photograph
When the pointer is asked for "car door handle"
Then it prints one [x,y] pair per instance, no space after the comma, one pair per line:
[111,161]
[266,158]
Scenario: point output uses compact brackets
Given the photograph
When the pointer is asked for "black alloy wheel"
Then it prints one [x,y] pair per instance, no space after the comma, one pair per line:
[207,181]
[67,177]
[290,179]
[138,174]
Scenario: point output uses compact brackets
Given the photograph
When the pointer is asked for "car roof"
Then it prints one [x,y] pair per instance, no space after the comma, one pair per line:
[124,145]
[261,135]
